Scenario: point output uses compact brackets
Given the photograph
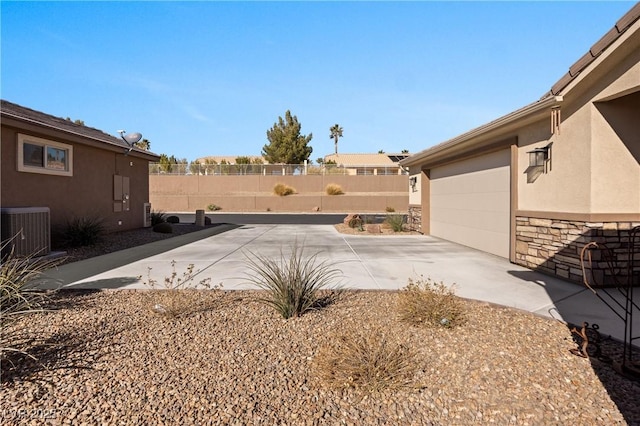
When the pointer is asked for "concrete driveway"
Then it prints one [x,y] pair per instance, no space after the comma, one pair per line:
[366,261]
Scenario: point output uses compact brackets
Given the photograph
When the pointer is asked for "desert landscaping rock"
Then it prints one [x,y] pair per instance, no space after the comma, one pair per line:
[105,358]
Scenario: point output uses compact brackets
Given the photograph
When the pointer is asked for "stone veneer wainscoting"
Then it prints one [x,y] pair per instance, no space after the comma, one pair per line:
[414,218]
[554,246]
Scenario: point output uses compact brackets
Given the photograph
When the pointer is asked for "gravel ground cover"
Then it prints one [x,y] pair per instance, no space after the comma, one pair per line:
[106,358]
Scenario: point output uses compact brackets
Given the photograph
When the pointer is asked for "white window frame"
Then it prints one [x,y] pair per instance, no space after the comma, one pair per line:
[45,144]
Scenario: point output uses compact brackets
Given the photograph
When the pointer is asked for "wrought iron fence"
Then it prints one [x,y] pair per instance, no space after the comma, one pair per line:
[272,169]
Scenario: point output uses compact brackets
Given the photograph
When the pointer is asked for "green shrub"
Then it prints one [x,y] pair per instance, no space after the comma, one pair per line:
[158,216]
[356,222]
[423,302]
[334,189]
[367,359]
[163,228]
[390,209]
[18,298]
[282,189]
[213,207]
[173,219]
[292,283]
[395,221]
[174,296]
[80,232]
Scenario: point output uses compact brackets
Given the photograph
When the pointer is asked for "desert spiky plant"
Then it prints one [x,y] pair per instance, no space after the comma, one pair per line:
[19,296]
[395,221]
[291,282]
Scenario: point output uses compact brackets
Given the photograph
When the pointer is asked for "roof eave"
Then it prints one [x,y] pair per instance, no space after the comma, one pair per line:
[81,138]
[484,130]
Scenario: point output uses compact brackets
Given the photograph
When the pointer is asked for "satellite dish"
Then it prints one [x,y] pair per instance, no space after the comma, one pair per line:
[132,138]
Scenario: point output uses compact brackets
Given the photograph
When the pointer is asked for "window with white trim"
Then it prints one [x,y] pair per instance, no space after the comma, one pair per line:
[37,155]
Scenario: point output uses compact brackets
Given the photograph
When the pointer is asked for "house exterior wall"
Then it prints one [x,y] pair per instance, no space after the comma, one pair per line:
[595,150]
[89,193]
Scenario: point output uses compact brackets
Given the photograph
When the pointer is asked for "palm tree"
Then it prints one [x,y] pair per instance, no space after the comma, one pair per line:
[336,133]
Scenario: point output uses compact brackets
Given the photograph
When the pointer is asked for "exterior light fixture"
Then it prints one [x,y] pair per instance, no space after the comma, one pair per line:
[130,139]
[538,157]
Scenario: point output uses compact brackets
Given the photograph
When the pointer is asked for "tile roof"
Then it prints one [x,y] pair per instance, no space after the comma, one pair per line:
[600,46]
[9,109]
[365,159]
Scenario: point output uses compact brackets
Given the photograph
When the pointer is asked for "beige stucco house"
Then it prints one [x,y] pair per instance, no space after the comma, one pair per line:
[535,185]
[65,170]
[367,164]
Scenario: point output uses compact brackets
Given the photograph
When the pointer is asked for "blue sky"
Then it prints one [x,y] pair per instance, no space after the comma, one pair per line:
[210,78]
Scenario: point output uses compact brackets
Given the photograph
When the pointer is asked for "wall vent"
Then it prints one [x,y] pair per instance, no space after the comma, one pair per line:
[25,230]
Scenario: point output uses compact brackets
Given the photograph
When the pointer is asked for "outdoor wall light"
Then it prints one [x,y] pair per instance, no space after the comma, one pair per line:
[538,156]
[130,139]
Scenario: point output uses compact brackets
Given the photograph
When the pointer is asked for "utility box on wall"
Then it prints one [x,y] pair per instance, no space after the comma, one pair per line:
[25,230]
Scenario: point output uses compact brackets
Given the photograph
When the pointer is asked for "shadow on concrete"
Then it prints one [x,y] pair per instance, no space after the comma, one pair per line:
[108,283]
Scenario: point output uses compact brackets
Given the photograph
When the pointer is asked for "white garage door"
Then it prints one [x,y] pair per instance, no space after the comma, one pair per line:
[470,202]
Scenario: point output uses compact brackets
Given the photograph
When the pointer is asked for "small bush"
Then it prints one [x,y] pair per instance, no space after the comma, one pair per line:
[334,189]
[282,189]
[213,207]
[80,232]
[18,298]
[395,221]
[173,298]
[163,228]
[423,302]
[390,209]
[356,222]
[292,282]
[173,219]
[157,217]
[367,359]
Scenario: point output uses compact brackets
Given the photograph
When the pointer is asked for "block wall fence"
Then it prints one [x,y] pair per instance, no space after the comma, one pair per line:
[254,193]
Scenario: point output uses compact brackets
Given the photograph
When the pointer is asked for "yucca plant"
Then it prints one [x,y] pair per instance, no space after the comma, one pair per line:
[158,216]
[18,296]
[367,359]
[84,231]
[395,221]
[292,282]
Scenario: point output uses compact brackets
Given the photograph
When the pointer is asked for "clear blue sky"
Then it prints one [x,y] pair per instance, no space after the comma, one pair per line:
[210,78]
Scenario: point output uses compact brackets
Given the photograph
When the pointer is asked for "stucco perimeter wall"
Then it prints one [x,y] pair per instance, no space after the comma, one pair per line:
[254,193]
[554,246]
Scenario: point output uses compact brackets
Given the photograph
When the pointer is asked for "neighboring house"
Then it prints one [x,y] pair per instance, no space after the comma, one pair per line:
[73,170]
[536,185]
[368,164]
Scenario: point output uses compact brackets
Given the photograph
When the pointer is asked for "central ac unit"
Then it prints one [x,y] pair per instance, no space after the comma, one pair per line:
[25,230]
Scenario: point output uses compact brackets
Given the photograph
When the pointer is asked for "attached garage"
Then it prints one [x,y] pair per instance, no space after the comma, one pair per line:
[470,202]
